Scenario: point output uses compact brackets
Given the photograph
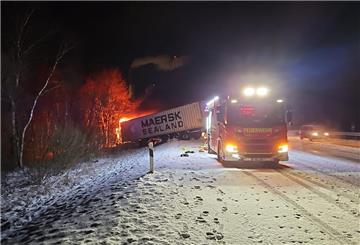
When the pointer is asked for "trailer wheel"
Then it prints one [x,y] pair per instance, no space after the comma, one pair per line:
[196,135]
[164,138]
[184,136]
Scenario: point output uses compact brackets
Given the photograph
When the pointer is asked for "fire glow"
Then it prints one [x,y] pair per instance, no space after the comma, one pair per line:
[127,118]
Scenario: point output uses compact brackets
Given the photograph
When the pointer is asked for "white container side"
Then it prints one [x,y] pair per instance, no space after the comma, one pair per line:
[182,118]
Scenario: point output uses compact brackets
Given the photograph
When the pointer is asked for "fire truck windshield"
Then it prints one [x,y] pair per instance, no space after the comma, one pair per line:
[249,115]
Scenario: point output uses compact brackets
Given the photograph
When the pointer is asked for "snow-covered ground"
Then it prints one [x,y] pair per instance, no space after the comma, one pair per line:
[22,201]
[194,200]
[349,149]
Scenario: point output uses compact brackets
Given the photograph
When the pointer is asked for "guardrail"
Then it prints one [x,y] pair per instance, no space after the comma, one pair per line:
[353,134]
[346,135]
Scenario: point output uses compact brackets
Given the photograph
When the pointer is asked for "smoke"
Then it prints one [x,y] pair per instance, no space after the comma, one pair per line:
[162,62]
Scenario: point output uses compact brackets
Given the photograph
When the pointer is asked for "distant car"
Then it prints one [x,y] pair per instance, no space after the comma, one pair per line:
[313,132]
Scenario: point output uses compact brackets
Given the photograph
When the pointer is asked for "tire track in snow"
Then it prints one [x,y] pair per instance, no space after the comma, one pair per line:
[340,238]
[327,149]
[351,197]
[343,206]
[325,173]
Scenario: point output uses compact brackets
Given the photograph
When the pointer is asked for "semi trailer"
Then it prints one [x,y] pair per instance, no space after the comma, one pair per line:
[182,122]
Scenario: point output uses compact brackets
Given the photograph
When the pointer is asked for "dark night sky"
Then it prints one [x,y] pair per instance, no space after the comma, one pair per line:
[308,51]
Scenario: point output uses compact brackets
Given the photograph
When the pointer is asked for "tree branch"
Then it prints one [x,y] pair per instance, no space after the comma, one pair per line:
[33,45]
[50,89]
[21,32]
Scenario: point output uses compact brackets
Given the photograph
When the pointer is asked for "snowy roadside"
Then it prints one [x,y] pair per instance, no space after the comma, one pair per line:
[21,202]
[196,200]
[343,148]
[24,205]
[349,145]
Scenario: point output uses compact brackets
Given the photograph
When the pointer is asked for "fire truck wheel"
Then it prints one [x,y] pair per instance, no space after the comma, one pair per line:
[210,151]
[220,154]
[275,162]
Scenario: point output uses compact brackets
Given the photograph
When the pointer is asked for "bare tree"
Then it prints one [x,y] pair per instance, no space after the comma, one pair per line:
[19,60]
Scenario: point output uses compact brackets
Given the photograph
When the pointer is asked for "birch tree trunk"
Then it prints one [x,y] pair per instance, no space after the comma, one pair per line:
[21,52]
[14,133]
[60,55]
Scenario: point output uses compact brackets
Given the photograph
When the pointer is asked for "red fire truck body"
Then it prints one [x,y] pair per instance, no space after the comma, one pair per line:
[249,129]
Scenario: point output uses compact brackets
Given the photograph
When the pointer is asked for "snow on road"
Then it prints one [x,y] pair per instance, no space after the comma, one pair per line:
[349,149]
[196,200]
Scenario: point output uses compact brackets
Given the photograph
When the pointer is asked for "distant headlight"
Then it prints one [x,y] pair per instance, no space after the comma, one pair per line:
[231,148]
[283,148]
[326,134]
[315,134]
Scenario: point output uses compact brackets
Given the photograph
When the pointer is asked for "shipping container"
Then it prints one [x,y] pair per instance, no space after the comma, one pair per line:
[184,119]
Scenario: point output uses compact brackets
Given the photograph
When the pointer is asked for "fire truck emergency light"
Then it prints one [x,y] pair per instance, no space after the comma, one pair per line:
[249,92]
[213,100]
[261,91]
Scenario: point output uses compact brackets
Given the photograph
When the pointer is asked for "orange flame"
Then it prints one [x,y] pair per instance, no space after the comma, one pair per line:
[130,117]
[124,119]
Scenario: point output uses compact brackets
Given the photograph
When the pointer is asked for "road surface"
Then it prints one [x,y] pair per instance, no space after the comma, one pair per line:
[311,199]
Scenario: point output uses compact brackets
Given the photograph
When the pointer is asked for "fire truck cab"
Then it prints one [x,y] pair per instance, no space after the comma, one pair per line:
[250,128]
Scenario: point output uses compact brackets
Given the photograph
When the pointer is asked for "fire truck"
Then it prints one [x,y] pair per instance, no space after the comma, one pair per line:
[252,127]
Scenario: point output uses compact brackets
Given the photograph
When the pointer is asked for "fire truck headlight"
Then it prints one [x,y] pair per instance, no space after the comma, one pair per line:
[231,148]
[262,91]
[326,134]
[283,148]
[249,91]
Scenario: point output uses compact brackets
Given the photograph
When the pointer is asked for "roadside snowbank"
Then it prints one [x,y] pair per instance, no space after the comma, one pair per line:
[22,201]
